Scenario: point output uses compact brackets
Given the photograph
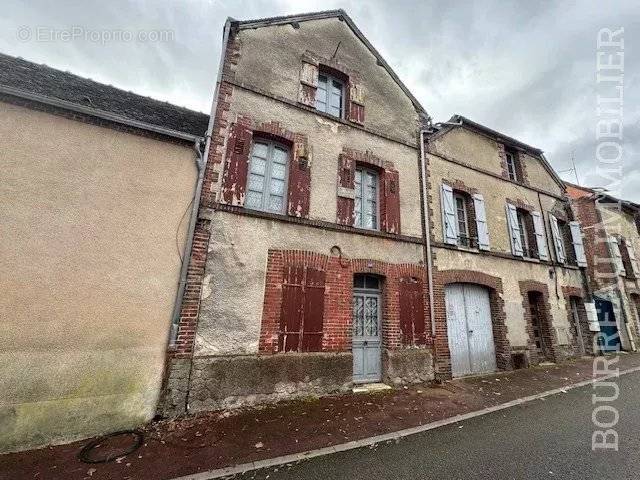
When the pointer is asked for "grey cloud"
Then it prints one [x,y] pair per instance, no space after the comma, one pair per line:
[525,68]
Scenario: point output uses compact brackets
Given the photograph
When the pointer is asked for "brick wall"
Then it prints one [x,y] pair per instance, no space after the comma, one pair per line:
[338,304]
[174,396]
[601,271]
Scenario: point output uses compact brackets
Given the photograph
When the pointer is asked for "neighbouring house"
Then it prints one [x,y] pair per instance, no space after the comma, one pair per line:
[95,186]
[308,270]
[612,238]
[508,254]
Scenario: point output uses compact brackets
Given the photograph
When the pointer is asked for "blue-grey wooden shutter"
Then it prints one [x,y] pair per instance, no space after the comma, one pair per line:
[578,246]
[541,238]
[557,239]
[449,227]
[481,222]
[514,230]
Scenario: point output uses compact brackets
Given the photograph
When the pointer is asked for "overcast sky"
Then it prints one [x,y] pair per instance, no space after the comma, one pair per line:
[526,68]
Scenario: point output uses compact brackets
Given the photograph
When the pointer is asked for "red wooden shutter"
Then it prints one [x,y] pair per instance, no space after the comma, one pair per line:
[356,102]
[411,311]
[292,308]
[299,189]
[302,309]
[313,310]
[234,178]
[391,219]
[308,84]
[346,190]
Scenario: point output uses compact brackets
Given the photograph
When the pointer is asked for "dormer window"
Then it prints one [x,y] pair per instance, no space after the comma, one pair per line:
[330,95]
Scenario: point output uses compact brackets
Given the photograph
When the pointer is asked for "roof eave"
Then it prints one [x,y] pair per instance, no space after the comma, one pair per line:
[112,117]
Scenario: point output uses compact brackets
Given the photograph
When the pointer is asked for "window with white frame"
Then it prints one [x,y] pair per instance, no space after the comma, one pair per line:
[366,199]
[462,219]
[511,166]
[267,180]
[330,95]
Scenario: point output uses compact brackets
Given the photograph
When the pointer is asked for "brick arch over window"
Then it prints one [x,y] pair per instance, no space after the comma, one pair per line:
[238,151]
[494,284]
[389,188]
[546,323]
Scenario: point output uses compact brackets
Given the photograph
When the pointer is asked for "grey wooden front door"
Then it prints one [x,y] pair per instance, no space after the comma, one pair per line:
[469,329]
[366,343]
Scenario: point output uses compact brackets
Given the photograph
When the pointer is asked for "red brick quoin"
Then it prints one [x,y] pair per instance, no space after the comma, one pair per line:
[441,344]
[338,291]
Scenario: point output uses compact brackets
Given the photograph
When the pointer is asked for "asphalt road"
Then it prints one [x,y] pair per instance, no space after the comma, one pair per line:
[547,438]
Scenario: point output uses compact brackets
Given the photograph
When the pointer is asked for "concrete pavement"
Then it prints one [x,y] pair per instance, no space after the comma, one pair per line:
[547,438]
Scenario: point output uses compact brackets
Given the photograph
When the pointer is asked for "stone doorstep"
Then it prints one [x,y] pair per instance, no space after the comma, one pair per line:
[371,388]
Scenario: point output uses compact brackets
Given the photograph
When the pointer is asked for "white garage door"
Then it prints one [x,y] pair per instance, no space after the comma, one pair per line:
[469,329]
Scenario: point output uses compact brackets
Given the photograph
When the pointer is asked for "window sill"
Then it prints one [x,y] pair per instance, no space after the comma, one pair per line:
[531,259]
[322,224]
[469,249]
[503,255]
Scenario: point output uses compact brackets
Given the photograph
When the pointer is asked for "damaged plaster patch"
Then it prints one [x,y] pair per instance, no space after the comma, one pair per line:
[333,126]
[206,286]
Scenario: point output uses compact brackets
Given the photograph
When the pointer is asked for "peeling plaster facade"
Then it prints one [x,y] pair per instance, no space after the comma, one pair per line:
[88,234]
[239,309]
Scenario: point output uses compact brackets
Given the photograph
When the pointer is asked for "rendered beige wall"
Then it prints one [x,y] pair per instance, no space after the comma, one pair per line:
[327,140]
[88,224]
[480,151]
[512,272]
[271,57]
[495,192]
[233,289]
[270,60]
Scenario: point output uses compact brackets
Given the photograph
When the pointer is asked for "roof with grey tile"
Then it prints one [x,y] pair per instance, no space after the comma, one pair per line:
[42,80]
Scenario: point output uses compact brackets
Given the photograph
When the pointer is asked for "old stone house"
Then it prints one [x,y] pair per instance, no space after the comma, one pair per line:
[508,254]
[612,238]
[94,186]
[308,275]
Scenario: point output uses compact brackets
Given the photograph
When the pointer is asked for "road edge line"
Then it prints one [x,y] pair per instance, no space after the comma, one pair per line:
[386,437]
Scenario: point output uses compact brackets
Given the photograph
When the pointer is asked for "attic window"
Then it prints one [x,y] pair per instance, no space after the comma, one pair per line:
[330,94]
[511,166]
[514,165]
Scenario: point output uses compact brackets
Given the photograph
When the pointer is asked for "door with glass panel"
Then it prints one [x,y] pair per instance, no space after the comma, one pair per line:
[366,342]
[267,182]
